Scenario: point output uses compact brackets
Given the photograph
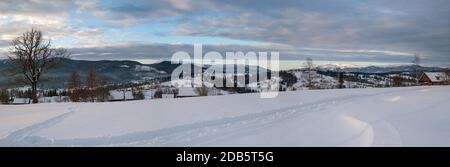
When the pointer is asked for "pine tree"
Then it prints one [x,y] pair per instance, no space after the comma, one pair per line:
[340,78]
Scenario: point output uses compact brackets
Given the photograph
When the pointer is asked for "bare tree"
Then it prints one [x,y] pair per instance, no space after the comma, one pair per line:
[91,83]
[74,81]
[93,91]
[137,93]
[91,78]
[397,79]
[158,93]
[74,84]
[416,62]
[102,94]
[310,67]
[32,55]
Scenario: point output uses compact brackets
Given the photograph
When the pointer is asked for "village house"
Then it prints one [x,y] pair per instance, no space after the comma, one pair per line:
[433,78]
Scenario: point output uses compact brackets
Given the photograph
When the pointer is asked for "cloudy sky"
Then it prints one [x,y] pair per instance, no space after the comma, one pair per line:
[334,30]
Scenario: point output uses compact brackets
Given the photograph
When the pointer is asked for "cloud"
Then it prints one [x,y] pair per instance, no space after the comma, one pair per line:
[125,14]
[405,26]
[381,30]
[136,51]
[33,7]
[361,51]
[17,17]
[89,37]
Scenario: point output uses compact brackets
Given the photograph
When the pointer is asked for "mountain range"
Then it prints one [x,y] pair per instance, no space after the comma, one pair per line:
[119,71]
[109,70]
[378,69]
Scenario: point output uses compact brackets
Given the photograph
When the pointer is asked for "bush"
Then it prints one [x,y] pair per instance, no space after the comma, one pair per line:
[158,94]
[138,95]
[287,78]
[202,91]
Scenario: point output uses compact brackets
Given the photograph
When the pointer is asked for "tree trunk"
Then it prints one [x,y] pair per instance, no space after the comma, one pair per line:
[34,92]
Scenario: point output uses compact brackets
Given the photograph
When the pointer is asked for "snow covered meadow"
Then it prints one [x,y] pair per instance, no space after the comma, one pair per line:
[412,116]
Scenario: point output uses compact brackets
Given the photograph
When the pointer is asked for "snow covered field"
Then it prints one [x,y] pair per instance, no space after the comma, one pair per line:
[413,116]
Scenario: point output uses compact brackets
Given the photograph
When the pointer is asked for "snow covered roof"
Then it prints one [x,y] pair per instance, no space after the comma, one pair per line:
[21,101]
[187,92]
[118,95]
[436,76]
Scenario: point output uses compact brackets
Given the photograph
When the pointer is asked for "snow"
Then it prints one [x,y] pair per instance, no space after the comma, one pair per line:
[186,92]
[142,68]
[319,81]
[412,116]
[197,81]
[148,94]
[53,99]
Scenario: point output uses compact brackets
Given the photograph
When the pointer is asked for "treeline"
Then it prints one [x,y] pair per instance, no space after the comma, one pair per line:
[7,96]
[91,90]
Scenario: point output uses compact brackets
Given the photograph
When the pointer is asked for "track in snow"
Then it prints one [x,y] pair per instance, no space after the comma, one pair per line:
[200,133]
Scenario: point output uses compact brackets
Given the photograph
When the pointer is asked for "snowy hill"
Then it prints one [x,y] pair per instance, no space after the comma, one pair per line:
[118,71]
[413,116]
[112,71]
